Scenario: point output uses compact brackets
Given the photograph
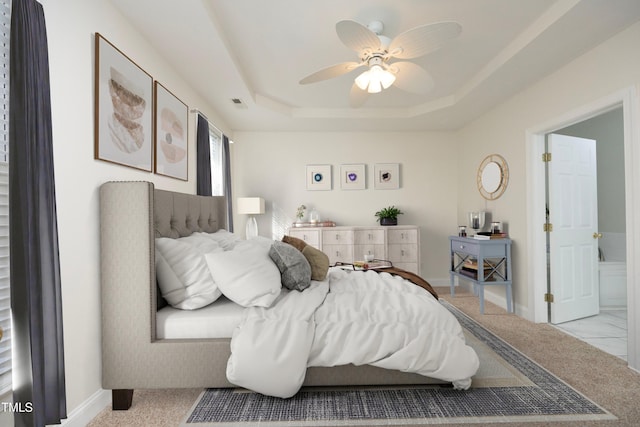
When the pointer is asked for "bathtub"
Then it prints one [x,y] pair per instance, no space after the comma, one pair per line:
[613,283]
[613,270]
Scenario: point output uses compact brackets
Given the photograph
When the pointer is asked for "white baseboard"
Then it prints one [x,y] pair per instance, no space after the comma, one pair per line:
[88,410]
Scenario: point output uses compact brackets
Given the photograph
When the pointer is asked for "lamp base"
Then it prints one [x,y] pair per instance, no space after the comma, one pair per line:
[252,227]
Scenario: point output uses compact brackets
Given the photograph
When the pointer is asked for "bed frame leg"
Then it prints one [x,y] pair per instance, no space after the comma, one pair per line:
[121,399]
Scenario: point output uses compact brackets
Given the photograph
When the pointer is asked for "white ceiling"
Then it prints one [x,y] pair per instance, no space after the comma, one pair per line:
[258,50]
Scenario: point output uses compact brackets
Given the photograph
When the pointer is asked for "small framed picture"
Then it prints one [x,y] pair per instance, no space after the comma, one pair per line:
[386,176]
[123,109]
[171,123]
[353,177]
[318,177]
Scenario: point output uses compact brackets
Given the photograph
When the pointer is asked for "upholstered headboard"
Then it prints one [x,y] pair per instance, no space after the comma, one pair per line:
[178,215]
[132,215]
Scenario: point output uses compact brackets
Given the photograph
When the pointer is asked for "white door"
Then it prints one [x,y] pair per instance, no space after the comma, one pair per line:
[573,241]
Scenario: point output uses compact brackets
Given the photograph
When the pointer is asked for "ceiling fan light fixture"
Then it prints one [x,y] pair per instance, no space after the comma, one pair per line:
[362,81]
[375,79]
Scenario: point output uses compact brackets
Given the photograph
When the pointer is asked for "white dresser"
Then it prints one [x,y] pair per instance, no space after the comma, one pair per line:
[399,244]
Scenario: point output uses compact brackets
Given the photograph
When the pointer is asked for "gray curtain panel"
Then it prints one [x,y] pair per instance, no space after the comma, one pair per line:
[227,180]
[203,158]
[36,301]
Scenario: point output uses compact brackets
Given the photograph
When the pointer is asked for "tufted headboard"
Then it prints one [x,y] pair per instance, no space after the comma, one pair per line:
[132,215]
[179,215]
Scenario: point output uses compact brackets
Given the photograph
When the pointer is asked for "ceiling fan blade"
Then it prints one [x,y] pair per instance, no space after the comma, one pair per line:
[357,96]
[331,72]
[424,39]
[357,37]
[411,77]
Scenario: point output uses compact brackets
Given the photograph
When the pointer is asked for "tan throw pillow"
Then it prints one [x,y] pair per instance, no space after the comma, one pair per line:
[318,260]
[299,244]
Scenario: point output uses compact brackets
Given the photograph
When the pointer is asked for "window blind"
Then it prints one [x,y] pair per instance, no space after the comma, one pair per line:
[5,297]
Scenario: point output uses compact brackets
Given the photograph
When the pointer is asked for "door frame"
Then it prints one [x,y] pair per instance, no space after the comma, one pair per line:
[536,255]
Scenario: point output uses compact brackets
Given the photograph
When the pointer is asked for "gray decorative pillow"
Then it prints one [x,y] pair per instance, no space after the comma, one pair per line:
[294,268]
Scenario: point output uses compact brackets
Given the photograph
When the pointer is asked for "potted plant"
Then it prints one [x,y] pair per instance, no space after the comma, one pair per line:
[388,216]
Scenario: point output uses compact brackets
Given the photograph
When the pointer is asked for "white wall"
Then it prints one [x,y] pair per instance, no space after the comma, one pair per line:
[272,165]
[607,69]
[71,25]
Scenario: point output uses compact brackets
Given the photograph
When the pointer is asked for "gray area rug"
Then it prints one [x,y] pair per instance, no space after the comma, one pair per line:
[509,387]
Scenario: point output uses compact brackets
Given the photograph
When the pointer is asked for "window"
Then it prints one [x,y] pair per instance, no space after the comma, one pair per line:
[217,169]
[5,296]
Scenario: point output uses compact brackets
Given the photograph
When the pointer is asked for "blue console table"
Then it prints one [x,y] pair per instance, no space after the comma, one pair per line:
[493,254]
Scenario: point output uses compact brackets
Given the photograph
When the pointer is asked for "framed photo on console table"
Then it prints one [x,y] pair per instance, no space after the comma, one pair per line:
[123,110]
[171,123]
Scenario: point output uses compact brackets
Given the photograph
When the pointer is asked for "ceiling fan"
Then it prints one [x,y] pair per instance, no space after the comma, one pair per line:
[378,52]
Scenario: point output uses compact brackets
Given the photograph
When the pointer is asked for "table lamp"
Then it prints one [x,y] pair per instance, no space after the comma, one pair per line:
[251,206]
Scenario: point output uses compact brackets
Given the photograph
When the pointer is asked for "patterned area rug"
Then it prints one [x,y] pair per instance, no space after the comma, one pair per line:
[509,387]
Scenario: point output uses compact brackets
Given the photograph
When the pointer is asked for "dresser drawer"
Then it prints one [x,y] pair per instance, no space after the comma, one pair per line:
[369,237]
[403,253]
[376,250]
[337,237]
[409,266]
[342,253]
[465,247]
[402,236]
[311,237]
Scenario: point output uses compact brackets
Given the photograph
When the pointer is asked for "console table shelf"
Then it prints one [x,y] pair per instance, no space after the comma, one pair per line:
[492,259]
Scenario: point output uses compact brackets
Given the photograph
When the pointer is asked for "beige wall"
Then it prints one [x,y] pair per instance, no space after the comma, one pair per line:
[272,165]
[607,69]
[71,25]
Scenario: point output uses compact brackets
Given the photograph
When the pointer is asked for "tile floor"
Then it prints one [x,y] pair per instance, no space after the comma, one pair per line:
[607,331]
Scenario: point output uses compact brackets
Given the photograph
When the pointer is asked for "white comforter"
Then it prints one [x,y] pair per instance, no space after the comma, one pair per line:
[352,317]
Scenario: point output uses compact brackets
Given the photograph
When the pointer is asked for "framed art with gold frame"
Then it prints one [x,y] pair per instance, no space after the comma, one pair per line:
[123,108]
[170,134]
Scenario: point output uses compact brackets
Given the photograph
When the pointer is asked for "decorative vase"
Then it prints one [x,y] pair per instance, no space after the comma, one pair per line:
[388,221]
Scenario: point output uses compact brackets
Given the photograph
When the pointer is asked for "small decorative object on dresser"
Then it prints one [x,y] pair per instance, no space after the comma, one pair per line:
[388,216]
[300,214]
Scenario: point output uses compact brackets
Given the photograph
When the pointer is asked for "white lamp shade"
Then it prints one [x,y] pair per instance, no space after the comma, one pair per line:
[250,205]
[375,79]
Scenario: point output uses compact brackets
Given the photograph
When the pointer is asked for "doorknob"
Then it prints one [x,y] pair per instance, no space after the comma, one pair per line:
[597,235]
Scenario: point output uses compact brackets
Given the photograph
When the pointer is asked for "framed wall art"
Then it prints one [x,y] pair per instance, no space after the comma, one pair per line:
[386,176]
[123,110]
[170,134]
[318,177]
[353,177]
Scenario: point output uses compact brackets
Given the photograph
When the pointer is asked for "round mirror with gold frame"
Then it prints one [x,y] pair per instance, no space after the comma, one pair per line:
[493,176]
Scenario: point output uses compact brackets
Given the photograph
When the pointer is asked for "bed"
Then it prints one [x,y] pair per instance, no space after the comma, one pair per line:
[140,348]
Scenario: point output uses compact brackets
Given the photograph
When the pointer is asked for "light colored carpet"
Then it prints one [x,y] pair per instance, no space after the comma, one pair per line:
[601,377]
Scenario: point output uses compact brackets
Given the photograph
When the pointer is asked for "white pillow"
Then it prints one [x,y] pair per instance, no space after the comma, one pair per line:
[246,275]
[183,276]
[226,239]
[202,243]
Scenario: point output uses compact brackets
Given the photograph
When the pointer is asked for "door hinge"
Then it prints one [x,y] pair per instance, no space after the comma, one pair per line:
[546,157]
[547,227]
[548,297]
